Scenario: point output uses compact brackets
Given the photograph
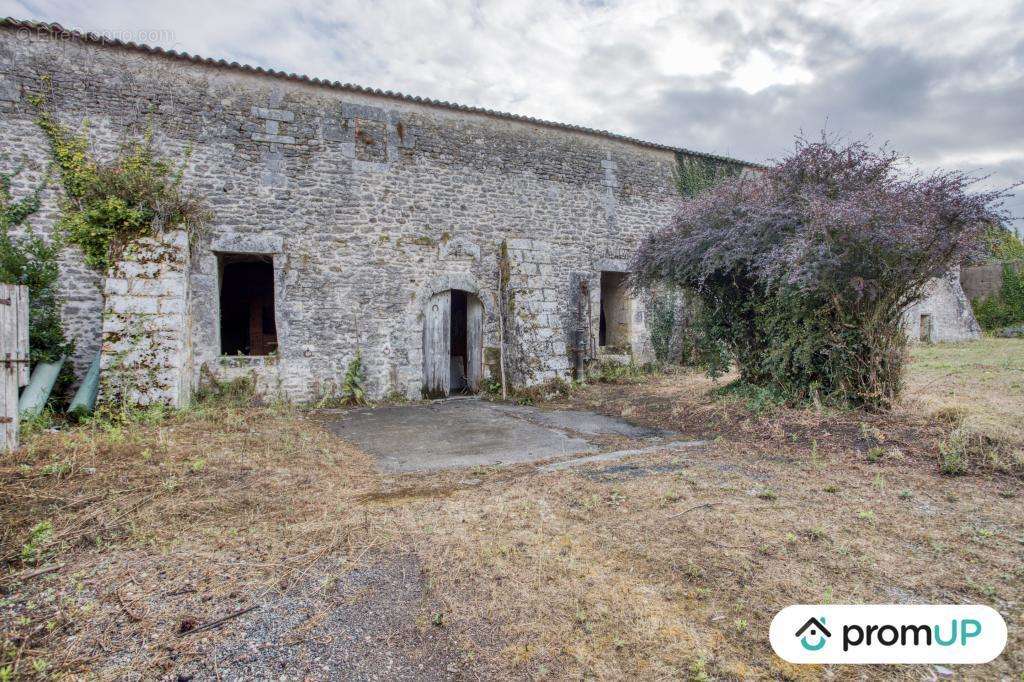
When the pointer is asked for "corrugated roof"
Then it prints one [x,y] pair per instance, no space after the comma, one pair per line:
[57,29]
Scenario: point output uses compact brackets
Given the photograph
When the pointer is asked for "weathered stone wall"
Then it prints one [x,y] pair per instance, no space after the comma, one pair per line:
[147,351]
[364,202]
[949,312]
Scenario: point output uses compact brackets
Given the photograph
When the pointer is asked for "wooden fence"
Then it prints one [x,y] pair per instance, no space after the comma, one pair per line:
[14,363]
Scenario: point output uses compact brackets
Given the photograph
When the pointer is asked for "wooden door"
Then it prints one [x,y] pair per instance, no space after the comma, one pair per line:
[437,337]
[13,359]
[474,342]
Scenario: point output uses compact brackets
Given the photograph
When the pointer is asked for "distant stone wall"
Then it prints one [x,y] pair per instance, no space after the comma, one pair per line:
[981,281]
[362,202]
[944,314]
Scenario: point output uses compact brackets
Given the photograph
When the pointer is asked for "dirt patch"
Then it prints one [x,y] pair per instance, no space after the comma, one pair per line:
[374,622]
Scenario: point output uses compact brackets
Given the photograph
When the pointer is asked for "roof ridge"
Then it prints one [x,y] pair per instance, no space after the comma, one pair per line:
[54,28]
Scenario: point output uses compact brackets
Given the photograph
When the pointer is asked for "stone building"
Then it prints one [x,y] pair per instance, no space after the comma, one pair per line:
[423,235]
[945,314]
[343,219]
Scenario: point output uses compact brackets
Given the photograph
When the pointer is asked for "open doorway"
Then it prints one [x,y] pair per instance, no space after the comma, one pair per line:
[613,333]
[247,321]
[459,331]
[452,344]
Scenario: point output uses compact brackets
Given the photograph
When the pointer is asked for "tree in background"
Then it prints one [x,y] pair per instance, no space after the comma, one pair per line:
[804,271]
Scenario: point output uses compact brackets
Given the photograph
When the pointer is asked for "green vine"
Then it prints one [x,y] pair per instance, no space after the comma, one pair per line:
[694,174]
[109,204]
[30,261]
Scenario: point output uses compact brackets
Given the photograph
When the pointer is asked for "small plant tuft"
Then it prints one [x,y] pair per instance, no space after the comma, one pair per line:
[352,390]
[35,550]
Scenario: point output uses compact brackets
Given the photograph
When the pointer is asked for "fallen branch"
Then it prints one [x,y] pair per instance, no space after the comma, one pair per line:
[699,506]
[39,571]
[132,616]
[220,621]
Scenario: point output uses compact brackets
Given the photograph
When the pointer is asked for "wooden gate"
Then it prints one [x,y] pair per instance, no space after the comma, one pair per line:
[13,359]
[437,345]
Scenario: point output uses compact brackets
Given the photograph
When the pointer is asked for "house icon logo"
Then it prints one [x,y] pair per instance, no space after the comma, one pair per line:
[817,632]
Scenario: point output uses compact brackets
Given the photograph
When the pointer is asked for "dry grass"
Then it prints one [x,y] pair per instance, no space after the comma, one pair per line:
[154,526]
[664,567]
[979,384]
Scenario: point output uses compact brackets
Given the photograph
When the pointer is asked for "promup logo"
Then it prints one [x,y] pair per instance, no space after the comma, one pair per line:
[817,628]
[888,634]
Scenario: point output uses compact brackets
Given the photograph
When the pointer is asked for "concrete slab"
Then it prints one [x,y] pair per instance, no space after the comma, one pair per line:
[589,423]
[451,434]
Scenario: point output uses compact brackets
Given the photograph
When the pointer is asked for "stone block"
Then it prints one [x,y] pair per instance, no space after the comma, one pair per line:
[131,305]
[115,286]
[273,114]
[278,139]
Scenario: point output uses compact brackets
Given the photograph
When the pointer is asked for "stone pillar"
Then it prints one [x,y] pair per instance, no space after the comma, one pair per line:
[147,350]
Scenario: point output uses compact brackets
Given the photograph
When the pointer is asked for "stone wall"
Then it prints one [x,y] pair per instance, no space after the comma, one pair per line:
[982,281]
[147,354]
[365,203]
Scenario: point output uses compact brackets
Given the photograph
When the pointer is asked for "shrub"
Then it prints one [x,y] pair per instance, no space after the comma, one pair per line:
[109,204]
[352,391]
[804,271]
[31,261]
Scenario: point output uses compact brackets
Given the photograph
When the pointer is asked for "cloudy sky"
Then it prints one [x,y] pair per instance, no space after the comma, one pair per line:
[942,81]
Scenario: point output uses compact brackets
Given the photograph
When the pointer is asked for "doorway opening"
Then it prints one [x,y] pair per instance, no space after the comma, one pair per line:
[247,324]
[459,368]
[613,332]
[925,330]
[452,344]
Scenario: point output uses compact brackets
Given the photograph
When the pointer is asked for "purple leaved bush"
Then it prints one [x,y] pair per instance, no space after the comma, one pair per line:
[844,232]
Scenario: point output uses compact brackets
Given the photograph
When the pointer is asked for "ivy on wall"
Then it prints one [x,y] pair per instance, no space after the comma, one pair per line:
[673,333]
[109,204]
[1005,308]
[694,174]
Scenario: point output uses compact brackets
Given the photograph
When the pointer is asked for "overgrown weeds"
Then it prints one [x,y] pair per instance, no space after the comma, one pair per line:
[757,399]
[609,372]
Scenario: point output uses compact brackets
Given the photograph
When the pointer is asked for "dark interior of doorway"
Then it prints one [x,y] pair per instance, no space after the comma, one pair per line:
[459,347]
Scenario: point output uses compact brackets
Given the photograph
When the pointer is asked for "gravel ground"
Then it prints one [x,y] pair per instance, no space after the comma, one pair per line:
[373,623]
